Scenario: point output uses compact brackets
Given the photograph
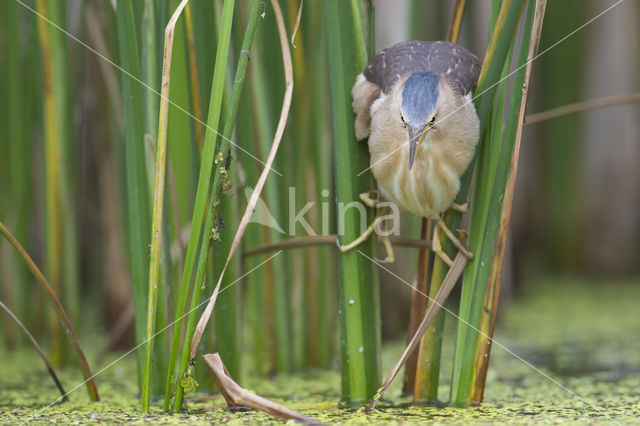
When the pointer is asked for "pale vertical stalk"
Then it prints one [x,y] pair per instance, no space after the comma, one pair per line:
[158,204]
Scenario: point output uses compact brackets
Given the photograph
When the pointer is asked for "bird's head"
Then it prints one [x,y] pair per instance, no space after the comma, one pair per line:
[419,112]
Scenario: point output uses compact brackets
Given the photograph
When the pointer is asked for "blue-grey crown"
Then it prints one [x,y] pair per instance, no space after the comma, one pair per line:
[419,97]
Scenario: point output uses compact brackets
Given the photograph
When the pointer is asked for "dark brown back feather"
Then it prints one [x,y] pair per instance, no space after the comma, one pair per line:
[447,60]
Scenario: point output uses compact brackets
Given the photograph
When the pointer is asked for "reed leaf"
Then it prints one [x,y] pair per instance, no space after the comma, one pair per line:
[158,202]
[138,210]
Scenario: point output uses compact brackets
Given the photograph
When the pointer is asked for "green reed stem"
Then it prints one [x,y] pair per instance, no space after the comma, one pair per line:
[197,233]
[482,229]
[222,175]
[358,291]
[498,204]
[135,167]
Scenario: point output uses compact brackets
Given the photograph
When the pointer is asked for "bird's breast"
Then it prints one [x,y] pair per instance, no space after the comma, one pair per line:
[429,188]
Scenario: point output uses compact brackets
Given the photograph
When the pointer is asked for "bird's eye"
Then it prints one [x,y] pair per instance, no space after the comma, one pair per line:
[404,123]
[433,119]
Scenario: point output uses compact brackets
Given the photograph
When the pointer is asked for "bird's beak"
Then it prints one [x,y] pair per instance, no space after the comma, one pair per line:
[416,136]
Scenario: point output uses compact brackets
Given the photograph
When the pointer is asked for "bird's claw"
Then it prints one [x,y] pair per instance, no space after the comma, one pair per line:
[368,200]
[460,208]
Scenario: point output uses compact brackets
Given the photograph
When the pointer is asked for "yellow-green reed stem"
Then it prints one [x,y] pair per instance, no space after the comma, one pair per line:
[358,291]
[197,234]
[158,204]
[52,154]
[220,181]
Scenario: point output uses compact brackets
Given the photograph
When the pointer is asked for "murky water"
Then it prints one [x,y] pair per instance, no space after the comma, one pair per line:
[582,338]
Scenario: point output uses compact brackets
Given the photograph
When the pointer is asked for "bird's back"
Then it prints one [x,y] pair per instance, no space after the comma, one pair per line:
[447,60]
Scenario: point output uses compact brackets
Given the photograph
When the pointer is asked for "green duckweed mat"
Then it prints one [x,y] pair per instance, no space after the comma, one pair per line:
[581,340]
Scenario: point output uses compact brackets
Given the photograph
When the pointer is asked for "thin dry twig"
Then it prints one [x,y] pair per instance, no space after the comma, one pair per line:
[62,314]
[284,114]
[52,373]
[320,240]
[581,106]
[235,395]
[295,28]
[447,285]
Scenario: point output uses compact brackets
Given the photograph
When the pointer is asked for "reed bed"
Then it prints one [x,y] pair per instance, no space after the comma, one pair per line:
[190,136]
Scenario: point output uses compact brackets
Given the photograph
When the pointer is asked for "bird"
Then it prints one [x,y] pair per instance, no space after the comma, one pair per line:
[414,103]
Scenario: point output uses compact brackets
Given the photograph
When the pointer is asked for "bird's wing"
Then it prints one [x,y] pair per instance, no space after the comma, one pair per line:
[447,60]
[364,94]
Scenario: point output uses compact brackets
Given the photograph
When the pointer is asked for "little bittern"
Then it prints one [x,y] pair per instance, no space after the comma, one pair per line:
[413,101]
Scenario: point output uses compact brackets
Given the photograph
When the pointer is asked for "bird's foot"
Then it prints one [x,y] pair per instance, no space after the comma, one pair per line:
[391,258]
[436,246]
[370,198]
[460,208]
[456,242]
[362,238]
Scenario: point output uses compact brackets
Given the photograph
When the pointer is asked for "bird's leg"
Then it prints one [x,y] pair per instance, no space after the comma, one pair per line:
[460,208]
[362,238]
[368,200]
[436,246]
[391,258]
[387,244]
[456,242]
